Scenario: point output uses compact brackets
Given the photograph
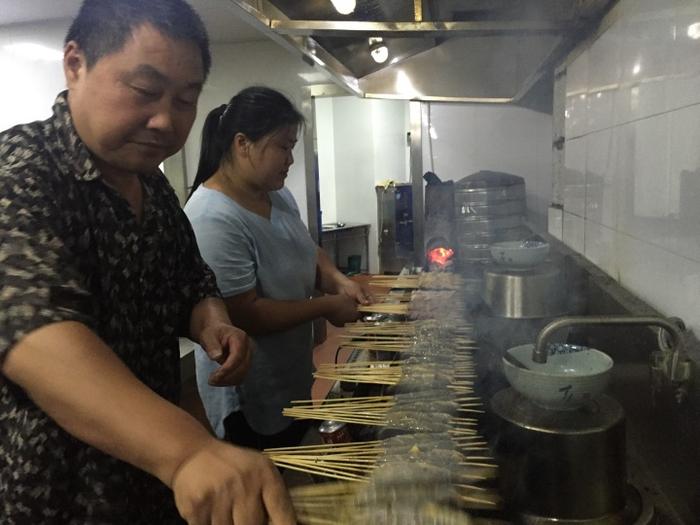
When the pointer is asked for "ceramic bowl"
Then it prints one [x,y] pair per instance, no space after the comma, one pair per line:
[519,254]
[571,377]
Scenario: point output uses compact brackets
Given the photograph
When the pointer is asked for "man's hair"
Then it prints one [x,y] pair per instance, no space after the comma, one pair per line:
[102,27]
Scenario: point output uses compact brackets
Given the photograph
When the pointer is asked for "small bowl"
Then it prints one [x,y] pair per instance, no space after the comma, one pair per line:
[519,254]
[572,375]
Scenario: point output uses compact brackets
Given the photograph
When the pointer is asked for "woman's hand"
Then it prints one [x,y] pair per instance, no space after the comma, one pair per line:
[223,484]
[231,348]
[331,280]
[355,291]
[340,309]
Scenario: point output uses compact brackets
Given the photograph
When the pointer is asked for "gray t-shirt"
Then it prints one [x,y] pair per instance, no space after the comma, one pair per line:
[277,257]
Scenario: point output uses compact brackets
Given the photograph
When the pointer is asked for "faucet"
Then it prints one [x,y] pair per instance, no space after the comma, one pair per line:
[539,353]
[671,361]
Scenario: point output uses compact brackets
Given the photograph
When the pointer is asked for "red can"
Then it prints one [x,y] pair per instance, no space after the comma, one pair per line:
[334,432]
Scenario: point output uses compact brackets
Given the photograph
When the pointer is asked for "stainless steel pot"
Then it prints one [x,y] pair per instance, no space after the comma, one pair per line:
[524,294]
[560,465]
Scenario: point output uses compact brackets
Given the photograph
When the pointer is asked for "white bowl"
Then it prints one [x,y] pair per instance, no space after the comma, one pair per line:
[571,376]
[519,254]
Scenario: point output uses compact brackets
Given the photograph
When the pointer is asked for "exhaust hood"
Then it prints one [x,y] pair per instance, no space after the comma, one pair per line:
[489,51]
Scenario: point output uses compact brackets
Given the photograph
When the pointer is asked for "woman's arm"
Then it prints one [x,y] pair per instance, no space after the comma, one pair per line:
[260,315]
[330,280]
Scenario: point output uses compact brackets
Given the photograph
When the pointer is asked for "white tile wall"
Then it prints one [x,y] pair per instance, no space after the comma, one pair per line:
[573,182]
[635,145]
[574,233]
[600,247]
[667,281]
[576,97]
[601,182]
[646,40]
[603,77]
[684,87]
[684,179]
[555,222]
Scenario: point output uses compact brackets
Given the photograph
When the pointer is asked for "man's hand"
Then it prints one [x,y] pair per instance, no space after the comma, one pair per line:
[225,485]
[231,348]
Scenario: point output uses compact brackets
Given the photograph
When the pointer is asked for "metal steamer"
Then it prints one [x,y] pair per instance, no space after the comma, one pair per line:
[489,206]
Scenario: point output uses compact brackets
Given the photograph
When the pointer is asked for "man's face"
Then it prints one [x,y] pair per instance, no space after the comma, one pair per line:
[135,107]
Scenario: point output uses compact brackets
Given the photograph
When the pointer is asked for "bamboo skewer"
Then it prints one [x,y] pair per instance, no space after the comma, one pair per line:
[384,308]
[357,461]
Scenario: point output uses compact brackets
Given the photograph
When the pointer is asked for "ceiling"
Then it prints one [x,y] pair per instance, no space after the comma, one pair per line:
[488,51]
[222,22]
[491,51]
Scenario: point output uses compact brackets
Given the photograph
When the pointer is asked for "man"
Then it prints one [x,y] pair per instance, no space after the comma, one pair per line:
[99,275]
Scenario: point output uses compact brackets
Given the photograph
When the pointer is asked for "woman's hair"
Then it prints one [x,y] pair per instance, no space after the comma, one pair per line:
[102,27]
[255,112]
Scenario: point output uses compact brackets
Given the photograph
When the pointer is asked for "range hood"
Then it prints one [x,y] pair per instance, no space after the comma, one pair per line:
[490,51]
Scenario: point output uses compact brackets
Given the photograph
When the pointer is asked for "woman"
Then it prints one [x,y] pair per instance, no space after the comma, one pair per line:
[249,231]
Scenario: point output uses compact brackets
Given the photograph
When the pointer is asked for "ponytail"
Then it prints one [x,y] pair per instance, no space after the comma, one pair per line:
[212,148]
[255,111]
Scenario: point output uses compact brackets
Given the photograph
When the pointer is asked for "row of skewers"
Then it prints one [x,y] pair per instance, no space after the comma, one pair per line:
[433,463]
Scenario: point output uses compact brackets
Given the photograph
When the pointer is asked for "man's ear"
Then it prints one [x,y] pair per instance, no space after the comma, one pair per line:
[74,63]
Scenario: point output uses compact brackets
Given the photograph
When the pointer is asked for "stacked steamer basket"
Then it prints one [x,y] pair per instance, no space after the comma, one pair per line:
[489,207]
[428,464]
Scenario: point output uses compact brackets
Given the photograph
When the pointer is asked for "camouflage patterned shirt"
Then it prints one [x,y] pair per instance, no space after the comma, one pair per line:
[72,249]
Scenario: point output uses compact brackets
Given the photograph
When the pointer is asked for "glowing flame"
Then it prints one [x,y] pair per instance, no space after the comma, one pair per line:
[440,256]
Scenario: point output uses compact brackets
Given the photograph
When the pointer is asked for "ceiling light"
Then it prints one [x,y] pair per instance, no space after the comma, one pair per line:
[694,31]
[34,51]
[344,7]
[637,68]
[378,50]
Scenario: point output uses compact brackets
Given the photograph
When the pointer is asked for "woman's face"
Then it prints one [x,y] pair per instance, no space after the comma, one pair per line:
[271,156]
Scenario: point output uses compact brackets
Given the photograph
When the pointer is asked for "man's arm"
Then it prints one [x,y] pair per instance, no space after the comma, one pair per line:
[73,376]
[211,327]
